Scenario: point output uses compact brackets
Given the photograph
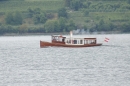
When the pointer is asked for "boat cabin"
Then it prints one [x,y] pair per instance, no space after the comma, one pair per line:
[80,41]
[58,39]
[73,41]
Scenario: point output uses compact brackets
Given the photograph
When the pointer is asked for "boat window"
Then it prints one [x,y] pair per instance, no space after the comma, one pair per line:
[85,41]
[89,42]
[81,41]
[63,39]
[57,38]
[68,41]
[75,41]
[92,42]
[53,38]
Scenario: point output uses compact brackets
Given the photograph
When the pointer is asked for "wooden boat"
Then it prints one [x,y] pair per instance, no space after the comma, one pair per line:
[60,41]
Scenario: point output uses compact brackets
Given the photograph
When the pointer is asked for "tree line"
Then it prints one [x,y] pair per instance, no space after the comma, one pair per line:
[15,22]
[60,21]
[78,4]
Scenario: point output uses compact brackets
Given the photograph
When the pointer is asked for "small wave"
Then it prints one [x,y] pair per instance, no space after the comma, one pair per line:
[112,46]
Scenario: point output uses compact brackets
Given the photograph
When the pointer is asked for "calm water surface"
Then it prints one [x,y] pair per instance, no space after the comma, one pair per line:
[24,63]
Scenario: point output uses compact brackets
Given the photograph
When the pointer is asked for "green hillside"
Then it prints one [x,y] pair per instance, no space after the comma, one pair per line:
[64,15]
[7,6]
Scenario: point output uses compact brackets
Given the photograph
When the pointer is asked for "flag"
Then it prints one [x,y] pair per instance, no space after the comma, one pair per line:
[106,39]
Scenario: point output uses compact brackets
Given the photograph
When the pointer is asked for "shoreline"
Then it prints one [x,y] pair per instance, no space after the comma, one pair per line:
[32,34]
[60,33]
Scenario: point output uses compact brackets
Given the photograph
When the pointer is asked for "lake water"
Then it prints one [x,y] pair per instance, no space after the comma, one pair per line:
[24,63]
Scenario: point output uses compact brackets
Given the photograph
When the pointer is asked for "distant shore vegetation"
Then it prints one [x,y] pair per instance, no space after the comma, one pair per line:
[55,16]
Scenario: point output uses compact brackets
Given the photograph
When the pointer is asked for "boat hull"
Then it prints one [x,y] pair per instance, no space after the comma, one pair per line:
[49,44]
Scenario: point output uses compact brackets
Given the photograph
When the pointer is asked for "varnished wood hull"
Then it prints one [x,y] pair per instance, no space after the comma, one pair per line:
[49,44]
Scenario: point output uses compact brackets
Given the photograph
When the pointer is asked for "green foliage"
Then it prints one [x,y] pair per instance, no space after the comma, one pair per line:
[50,26]
[62,13]
[50,15]
[86,4]
[9,18]
[38,15]
[55,25]
[46,5]
[14,18]
[23,28]
[67,2]
[30,12]
[75,4]
[126,27]
[3,0]
[8,29]
[86,12]
[105,26]
[60,25]
[17,18]
[53,16]
[39,18]
[71,26]
[128,1]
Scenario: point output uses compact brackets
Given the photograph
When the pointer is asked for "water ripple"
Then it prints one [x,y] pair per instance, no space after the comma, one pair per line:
[24,63]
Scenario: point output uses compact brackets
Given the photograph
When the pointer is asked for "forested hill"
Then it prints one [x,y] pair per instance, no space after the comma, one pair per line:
[48,16]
